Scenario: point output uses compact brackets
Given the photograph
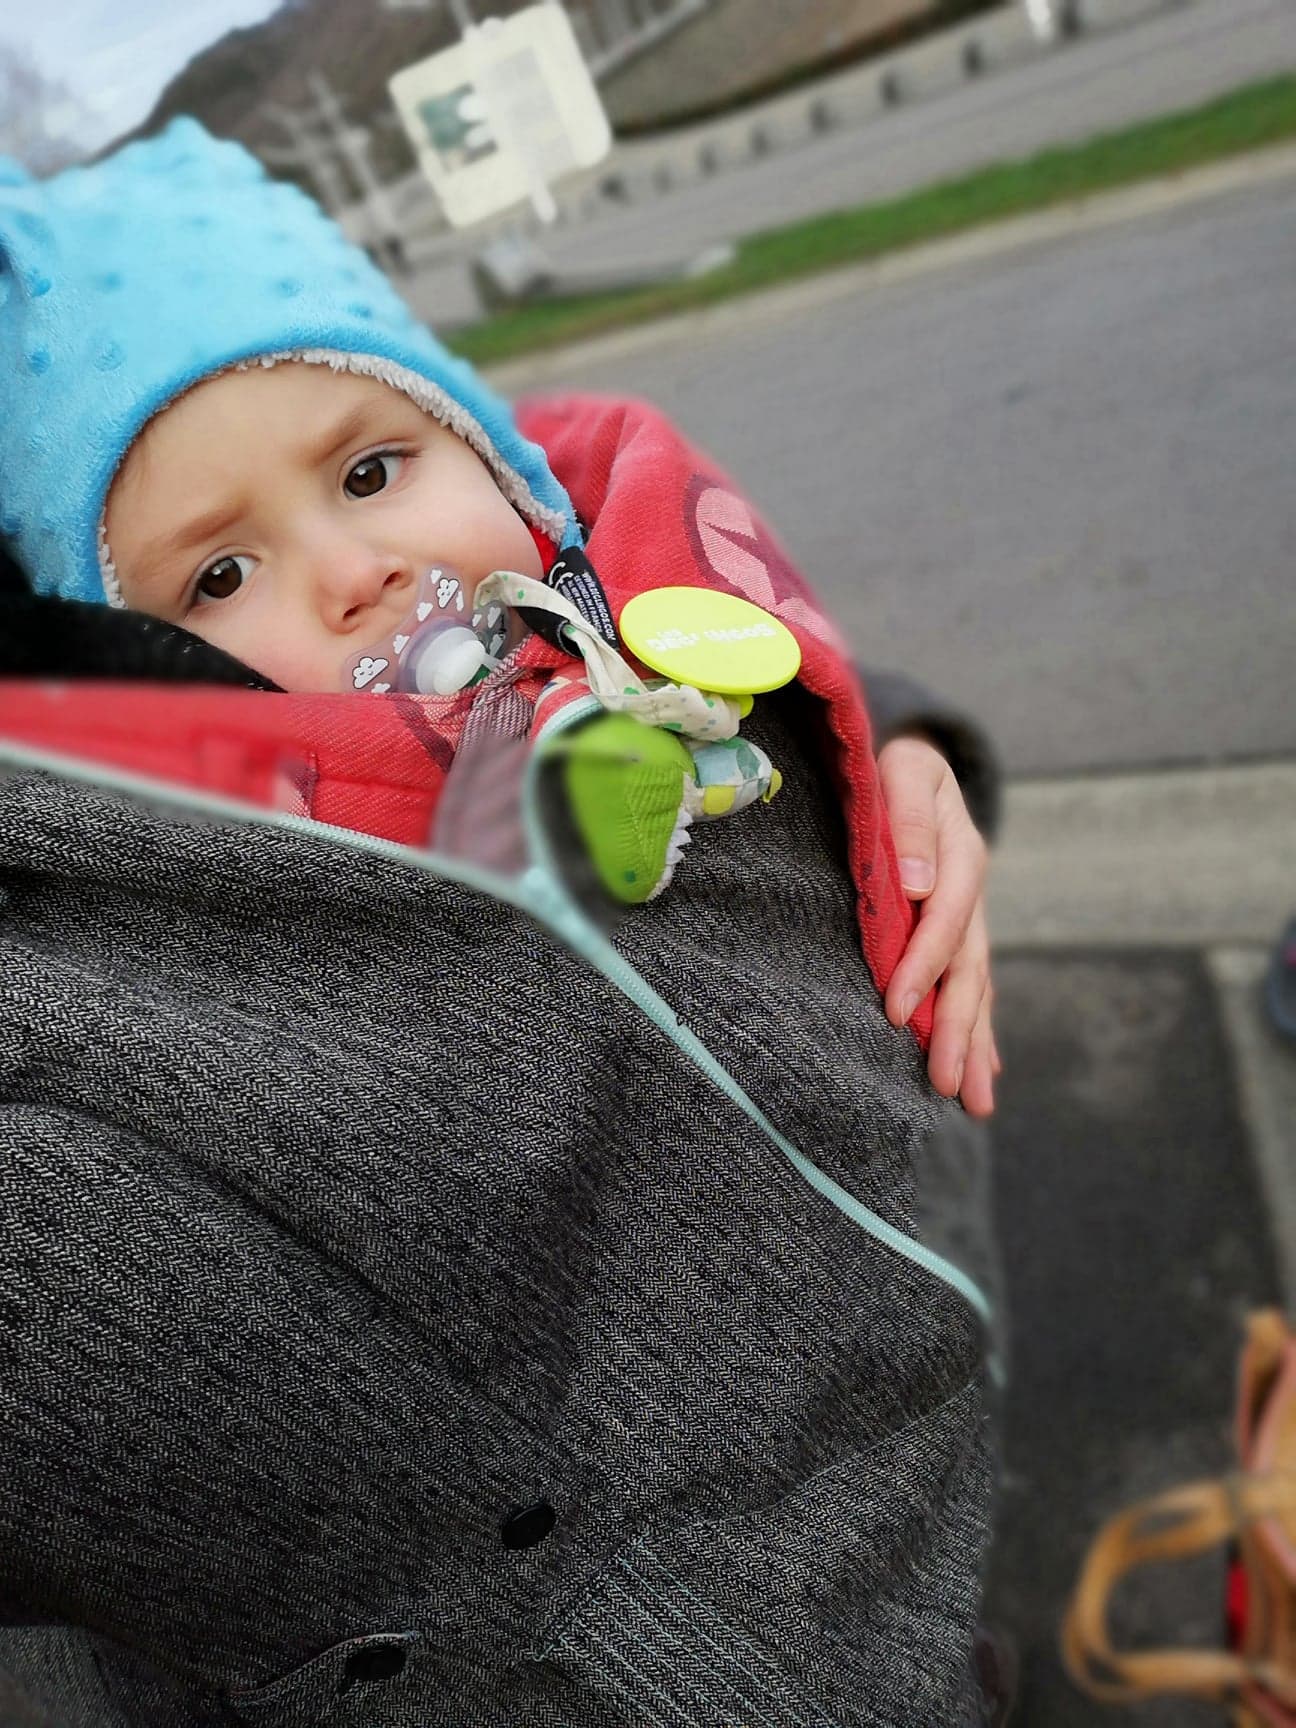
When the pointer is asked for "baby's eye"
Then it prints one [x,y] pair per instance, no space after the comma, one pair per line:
[223,577]
[371,473]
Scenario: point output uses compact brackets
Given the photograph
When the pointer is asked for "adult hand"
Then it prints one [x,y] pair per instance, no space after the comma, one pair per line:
[942,866]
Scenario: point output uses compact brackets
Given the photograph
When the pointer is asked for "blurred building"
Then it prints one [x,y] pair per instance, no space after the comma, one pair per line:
[660,61]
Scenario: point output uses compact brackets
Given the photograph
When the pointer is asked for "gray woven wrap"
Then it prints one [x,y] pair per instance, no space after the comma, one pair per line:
[346,1212]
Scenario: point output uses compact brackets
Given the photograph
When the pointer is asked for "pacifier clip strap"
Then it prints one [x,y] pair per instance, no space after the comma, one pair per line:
[612,680]
[572,576]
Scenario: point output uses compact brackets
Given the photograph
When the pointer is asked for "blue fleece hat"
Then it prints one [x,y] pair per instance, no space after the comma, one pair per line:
[125,282]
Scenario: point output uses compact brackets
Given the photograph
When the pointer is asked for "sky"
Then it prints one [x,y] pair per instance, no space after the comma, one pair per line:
[116,55]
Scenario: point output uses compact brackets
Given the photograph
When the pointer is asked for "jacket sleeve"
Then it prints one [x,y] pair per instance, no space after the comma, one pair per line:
[899,706]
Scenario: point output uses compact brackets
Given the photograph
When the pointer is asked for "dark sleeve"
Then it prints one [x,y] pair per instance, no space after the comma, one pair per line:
[901,707]
[52,638]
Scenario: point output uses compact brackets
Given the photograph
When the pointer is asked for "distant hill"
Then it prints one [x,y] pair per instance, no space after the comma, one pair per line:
[356,44]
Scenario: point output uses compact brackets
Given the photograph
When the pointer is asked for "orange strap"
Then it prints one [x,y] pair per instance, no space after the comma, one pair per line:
[1182,1522]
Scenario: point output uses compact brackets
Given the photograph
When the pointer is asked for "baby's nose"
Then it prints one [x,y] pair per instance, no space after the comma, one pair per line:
[353,582]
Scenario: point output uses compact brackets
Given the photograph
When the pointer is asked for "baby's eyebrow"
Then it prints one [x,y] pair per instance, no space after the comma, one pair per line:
[355,421]
[211,525]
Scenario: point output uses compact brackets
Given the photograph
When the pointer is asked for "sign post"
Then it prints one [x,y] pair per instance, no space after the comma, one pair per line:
[504,114]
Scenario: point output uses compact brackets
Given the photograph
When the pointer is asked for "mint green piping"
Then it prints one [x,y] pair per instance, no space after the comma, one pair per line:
[539,894]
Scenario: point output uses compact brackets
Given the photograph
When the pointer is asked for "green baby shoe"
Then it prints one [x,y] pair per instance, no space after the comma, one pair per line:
[626,784]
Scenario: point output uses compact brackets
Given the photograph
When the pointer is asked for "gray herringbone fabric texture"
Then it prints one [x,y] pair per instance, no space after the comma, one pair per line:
[346,1212]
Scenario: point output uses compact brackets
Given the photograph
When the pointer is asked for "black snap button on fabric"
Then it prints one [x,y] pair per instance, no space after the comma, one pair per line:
[524,1526]
[372,1662]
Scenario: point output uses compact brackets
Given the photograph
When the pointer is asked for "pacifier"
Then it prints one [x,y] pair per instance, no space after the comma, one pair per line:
[443,644]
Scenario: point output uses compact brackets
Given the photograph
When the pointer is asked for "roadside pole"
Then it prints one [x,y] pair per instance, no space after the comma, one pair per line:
[498,117]
[351,143]
[321,139]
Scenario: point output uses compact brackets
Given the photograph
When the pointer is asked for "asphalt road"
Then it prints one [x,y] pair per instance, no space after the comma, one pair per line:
[1057,484]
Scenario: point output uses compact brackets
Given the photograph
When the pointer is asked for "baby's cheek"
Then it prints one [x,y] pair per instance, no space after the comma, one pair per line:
[288,657]
[483,533]
[299,665]
[139,597]
[506,545]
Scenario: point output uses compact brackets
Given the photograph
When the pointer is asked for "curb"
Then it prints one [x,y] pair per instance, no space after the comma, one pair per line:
[1190,857]
[643,171]
[1266,1086]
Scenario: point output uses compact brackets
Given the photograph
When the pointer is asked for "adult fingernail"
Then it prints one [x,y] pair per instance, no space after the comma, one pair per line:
[917,875]
[958,1079]
[907,1005]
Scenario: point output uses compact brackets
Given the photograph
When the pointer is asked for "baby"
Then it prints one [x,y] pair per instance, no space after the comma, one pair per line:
[220,414]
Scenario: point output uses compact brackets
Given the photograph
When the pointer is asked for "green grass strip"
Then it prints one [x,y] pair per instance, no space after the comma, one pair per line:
[1248,119]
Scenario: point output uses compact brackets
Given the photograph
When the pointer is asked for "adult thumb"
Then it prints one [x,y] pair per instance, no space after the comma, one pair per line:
[917,866]
[909,791]
[913,830]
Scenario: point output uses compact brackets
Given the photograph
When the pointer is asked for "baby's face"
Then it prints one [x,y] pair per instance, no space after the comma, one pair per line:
[286,515]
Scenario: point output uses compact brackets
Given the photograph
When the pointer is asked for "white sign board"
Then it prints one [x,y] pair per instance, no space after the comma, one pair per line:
[503,114]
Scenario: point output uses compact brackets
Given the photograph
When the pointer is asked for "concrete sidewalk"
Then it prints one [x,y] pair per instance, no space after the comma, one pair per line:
[1146,1174]
[1183,858]
[1195,861]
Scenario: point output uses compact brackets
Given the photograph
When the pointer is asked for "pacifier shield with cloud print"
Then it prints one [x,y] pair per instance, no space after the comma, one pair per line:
[443,644]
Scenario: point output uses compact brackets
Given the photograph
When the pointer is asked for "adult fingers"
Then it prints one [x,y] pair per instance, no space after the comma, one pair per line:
[944,919]
[961,1009]
[977,1090]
